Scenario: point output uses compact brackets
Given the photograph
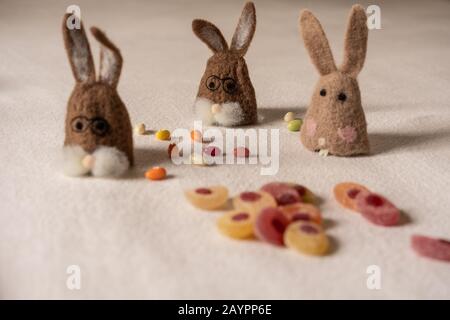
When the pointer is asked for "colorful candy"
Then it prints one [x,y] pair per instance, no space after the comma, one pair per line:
[237,224]
[139,128]
[172,149]
[302,212]
[346,192]
[207,198]
[156,173]
[196,135]
[270,225]
[306,237]
[241,152]
[438,249]
[305,194]
[253,201]
[283,193]
[288,117]
[295,125]
[212,151]
[377,209]
[162,135]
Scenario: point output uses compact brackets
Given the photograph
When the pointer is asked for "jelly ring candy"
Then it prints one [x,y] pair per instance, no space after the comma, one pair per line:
[302,212]
[172,149]
[283,193]
[253,201]
[346,192]
[208,198]
[212,151]
[305,194]
[306,237]
[237,224]
[270,225]
[377,209]
[438,249]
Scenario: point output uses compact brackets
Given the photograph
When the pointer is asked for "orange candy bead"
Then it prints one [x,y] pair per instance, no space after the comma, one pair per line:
[156,173]
[196,135]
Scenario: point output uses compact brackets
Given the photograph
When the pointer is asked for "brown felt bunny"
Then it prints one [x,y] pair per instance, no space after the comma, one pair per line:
[226,95]
[335,121]
[98,136]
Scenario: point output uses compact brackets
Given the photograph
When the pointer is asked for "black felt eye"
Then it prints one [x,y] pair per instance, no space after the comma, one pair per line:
[100,126]
[79,124]
[229,85]
[212,83]
[342,97]
[323,92]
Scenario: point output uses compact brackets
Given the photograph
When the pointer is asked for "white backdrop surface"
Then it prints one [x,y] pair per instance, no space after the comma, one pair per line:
[137,239]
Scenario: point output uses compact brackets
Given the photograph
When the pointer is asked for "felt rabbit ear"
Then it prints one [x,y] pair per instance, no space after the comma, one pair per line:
[355,41]
[110,59]
[78,51]
[209,34]
[316,43]
[245,29]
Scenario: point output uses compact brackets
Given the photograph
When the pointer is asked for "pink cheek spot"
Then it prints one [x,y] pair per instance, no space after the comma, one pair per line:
[348,134]
[311,127]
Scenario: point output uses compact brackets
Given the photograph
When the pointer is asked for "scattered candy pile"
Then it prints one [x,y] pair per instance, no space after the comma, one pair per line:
[285,214]
[278,214]
[374,207]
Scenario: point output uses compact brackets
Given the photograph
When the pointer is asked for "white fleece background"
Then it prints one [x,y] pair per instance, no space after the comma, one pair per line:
[138,239]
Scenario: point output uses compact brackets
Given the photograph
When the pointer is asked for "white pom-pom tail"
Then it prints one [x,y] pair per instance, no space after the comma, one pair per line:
[202,108]
[109,162]
[72,158]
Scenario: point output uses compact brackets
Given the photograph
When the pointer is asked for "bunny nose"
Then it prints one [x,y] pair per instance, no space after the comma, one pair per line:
[88,161]
[216,108]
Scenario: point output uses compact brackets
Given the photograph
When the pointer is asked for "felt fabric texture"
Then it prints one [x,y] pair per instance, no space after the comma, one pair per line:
[96,116]
[227,67]
[335,119]
[133,238]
